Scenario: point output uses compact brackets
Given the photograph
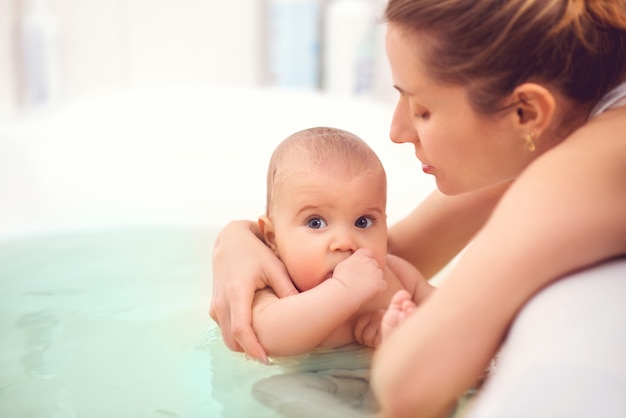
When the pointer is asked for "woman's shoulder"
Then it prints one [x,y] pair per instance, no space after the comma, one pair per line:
[600,140]
[603,136]
[564,212]
[579,184]
[611,118]
[582,174]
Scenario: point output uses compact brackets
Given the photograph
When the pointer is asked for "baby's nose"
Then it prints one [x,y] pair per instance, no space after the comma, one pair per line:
[344,240]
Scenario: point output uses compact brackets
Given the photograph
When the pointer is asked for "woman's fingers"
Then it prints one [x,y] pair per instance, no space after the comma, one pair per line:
[235,324]
[246,340]
[240,318]
[220,313]
[242,264]
[278,279]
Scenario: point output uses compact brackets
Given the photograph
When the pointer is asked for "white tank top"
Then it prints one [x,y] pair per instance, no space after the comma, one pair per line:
[614,98]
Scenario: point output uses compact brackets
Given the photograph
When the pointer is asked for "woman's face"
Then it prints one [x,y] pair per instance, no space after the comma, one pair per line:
[463,149]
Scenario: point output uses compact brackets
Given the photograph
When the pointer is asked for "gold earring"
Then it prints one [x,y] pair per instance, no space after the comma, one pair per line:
[530,142]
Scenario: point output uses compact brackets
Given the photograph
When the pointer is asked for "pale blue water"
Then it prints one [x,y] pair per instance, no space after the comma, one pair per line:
[114,323]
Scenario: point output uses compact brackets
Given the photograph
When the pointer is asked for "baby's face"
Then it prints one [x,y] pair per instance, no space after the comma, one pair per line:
[321,219]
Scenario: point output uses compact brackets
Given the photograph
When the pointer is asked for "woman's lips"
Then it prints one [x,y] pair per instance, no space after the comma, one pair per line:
[428,169]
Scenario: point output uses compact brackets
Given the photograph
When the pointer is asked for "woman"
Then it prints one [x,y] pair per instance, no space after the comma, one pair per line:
[517,109]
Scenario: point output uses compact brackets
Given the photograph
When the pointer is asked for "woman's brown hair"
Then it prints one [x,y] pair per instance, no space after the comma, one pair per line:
[492,46]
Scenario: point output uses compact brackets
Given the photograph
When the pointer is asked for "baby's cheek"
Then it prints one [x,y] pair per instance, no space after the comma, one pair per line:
[380,251]
[382,261]
[305,272]
[380,255]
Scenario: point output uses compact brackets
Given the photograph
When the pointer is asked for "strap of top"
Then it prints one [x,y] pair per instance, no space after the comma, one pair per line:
[614,98]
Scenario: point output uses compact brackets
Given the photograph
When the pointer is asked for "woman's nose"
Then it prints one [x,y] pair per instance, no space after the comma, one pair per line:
[402,129]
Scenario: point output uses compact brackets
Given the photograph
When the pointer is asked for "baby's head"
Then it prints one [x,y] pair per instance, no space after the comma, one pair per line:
[320,151]
[326,197]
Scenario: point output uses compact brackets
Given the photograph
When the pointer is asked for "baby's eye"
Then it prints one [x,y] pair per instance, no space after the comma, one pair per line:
[364,222]
[316,223]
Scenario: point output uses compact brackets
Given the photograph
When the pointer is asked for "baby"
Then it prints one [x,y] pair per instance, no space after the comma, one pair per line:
[326,220]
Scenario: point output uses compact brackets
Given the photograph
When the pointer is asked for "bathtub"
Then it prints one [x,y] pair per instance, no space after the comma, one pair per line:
[109,209]
[178,155]
[108,213]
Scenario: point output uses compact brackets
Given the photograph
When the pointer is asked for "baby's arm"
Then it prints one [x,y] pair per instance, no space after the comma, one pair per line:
[296,324]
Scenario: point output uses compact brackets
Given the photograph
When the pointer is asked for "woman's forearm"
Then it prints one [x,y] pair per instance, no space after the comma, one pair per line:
[441,226]
[439,351]
[534,237]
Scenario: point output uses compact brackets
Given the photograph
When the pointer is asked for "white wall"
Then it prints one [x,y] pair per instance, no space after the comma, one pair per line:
[182,155]
[105,46]
[100,47]
[165,114]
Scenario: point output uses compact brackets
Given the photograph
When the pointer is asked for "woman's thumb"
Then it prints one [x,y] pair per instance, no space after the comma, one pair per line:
[278,279]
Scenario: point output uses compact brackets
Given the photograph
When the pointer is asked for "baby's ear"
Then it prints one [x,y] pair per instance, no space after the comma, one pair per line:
[267,231]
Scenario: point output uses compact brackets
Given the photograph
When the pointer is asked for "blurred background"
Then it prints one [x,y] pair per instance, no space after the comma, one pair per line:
[131,132]
[58,51]
[166,111]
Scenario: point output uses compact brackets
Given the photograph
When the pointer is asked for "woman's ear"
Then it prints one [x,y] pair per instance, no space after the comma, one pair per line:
[267,231]
[535,108]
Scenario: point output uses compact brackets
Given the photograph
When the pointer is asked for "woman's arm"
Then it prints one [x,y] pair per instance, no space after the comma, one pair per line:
[441,226]
[566,212]
[428,238]
[297,324]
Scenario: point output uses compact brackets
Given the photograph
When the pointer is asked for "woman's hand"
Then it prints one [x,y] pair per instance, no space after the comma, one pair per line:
[242,264]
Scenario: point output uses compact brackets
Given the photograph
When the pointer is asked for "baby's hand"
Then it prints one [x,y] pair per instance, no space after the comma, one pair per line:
[361,275]
[400,307]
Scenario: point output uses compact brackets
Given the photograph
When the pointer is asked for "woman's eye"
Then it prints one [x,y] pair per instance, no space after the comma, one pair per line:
[363,222]
[422,115]
[316,223]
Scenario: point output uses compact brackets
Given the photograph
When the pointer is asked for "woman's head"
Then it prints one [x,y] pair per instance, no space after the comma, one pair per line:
[577,47]
[483,82]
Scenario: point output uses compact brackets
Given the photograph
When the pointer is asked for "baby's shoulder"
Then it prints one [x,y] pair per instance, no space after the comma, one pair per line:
[402,272]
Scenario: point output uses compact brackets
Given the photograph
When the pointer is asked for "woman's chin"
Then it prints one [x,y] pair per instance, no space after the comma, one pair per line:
[449,188]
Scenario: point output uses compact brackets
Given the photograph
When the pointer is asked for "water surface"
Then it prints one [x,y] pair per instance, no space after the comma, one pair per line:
[114,323]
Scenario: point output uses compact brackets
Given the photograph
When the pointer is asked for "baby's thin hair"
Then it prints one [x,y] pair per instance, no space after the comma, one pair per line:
[319,148]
